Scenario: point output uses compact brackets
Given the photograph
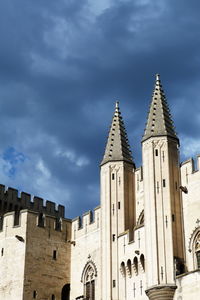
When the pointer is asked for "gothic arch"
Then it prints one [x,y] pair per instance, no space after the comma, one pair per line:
[123,269]
[135,265]
[88,278]
[194,247]
[89,264]
[142,262]
[129,267]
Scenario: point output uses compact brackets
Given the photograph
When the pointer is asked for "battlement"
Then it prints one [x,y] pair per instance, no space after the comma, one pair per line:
[191,165]
[89,222]
[11,200]
[190,171]
[8,220]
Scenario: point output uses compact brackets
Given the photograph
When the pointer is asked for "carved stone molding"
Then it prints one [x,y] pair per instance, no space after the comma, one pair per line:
[161,292]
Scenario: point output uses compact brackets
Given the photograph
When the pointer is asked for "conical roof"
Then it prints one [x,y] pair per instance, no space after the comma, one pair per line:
[117,147]
[159,122]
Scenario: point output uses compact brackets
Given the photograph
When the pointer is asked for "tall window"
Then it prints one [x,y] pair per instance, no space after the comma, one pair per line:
[41,220]
[197,251]
[198,259]
[89,283]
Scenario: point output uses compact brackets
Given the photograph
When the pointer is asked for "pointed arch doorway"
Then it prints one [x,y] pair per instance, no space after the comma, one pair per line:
[65,295]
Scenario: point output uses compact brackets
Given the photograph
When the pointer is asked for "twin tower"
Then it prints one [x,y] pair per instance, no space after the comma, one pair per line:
[161,196]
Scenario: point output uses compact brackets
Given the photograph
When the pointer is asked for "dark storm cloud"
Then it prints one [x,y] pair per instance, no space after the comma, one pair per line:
[63,64]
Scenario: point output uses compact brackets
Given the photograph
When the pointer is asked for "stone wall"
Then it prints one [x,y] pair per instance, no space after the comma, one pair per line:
[85,250]
[190,179]
[34,259]
[132,276]
[48,253]
[12,257]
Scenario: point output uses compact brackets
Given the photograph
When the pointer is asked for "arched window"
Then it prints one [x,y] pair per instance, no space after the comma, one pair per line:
[142,261]
[135,265]
[123,269]
[129,267]
[194,247]
[88,278]
[197,250]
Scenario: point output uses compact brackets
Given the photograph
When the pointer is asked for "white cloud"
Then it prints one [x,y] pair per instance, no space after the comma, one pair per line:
[79,161]
[43,169]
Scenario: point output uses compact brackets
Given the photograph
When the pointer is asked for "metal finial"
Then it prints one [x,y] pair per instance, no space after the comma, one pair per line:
[117,104]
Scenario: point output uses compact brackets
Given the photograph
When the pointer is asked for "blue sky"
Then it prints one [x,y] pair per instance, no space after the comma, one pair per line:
[64,63]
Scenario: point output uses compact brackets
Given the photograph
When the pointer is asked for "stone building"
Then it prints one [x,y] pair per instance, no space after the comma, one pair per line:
[142,242]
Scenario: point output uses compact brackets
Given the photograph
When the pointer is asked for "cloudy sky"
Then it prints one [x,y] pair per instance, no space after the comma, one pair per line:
[64,63]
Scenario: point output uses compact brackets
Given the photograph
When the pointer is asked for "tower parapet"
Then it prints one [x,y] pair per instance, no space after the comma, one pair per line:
[11,200]
[89,222]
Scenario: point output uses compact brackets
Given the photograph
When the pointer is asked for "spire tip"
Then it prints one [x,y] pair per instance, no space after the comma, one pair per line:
[157,77]
[117,104]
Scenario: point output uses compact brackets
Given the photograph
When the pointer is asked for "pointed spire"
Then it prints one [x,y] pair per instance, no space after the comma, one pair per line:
[117,147]
[159,122]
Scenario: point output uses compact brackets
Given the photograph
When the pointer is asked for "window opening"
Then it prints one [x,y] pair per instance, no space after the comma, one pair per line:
[135,262]
[1,222]
[164,183]
[142,261]
[156,152]
[16,217]
[198,259]
[89,284]
[41,220]
[176,185]
[113,176]
[58,224]
[34,294]
[197,250]
[129,267]
[54,254]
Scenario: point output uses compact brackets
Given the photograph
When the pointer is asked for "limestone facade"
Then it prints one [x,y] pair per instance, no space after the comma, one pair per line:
[142,242]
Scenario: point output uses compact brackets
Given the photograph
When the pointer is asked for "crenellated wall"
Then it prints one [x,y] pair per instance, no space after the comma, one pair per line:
[12,200]
[89,222]
[12,257]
